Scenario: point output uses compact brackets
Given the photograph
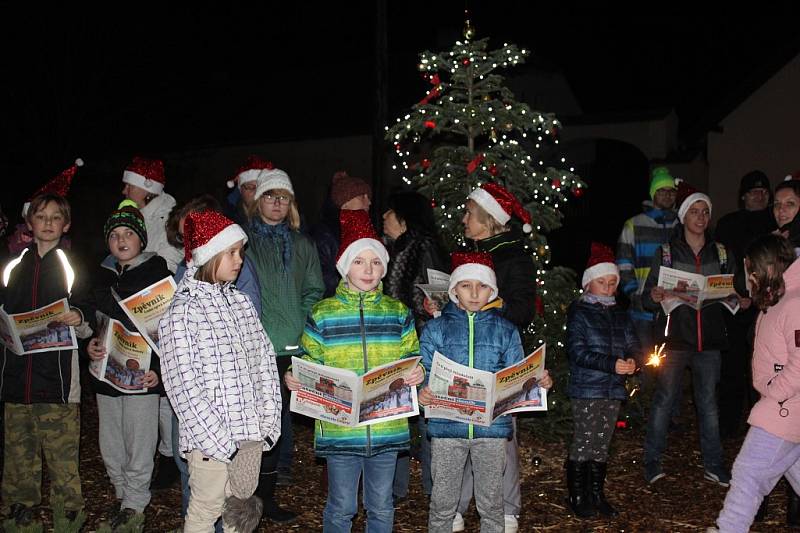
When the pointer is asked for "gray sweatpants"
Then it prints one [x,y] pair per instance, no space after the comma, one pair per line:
[512,497]
[165,414]
[448,457]
[128,439]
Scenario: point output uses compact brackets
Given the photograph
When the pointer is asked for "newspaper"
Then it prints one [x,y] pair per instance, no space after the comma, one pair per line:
[344,398]
[146,307]
[38,330]
[127,357]
[436,289]
[478,397]
[696,290]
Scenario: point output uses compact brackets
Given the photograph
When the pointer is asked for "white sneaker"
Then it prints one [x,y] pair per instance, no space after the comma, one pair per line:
[458,522]
[511,523]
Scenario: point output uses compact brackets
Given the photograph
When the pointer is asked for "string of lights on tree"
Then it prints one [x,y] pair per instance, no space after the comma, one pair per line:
[467,130]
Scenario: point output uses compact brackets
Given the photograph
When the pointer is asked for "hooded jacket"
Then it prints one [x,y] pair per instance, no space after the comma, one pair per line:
[776,363]
[219,369]
[482,340]
[359,331]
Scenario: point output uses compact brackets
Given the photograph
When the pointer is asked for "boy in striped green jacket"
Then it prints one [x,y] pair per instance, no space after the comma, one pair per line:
[360,328]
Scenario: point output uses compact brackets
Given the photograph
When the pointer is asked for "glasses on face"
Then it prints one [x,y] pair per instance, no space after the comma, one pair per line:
[277,198]
[249,187]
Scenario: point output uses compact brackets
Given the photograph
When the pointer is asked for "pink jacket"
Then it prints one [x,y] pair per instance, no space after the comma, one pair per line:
[776,363]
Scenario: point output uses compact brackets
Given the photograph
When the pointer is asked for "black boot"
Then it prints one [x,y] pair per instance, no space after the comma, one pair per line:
[761,515]
[166,473]
[598,479]
[266,491]
[792,507]
[578,485]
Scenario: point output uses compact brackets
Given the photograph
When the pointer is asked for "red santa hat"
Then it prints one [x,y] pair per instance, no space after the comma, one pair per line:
[357,235]
[207,233]
[501,204]
[472,265]
[686,196]
[601,263]
[249,171]
[58,185]
[147,174]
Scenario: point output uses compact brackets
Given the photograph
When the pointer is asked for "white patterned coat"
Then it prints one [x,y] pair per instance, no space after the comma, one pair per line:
[218,367]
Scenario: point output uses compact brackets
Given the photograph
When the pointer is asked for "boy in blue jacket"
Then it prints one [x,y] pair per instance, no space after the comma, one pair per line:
[472,334]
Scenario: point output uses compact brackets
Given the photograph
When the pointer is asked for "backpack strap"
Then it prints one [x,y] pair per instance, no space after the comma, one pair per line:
[666,255]
[722,253]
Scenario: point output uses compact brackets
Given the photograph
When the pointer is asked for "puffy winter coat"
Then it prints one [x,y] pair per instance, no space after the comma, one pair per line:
[482,340]
[219,369]
[597,336]
[359,331]
[776,363]
[155,215]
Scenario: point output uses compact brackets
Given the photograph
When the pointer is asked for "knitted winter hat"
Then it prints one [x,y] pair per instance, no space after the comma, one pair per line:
[357,235]
[472,265]
[274,178]
[207,233]
[687,195]
[147,174]
[242,510]
[753,180]
[58,185]
[501,204]
[127,214]
[249,171]
[660,179]
[601,263]
[345,187]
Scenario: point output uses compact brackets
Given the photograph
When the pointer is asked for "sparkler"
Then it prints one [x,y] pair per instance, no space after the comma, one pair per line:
[656,357]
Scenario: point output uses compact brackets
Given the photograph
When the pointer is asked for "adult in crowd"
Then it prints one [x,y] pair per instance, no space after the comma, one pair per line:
[346,192]
[786,209]
[244,183]
[736,231]
[414,247]
[291,283]
[693,337]
[489,211]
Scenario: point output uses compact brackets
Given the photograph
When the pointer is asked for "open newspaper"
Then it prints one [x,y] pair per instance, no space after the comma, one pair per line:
[696,290]
[38,330]
[127,356]
[436,289]
[478,397]
[344,398]
[146,307]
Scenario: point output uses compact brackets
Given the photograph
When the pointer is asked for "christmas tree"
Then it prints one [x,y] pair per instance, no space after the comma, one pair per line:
[468,130]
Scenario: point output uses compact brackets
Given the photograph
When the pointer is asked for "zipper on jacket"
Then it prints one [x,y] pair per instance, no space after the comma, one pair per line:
[471,320]
[364,353]
[37,262]
[698,268]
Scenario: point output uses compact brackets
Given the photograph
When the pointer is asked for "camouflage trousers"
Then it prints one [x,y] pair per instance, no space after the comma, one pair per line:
[33,431]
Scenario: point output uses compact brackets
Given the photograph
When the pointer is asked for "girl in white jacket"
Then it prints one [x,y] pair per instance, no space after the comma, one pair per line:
[218,365]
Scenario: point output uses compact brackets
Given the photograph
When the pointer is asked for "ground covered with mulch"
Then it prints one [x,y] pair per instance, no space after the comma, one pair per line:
[682,501]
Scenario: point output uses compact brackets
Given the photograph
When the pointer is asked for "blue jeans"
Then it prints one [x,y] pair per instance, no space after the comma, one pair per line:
[705,376]
[377,473]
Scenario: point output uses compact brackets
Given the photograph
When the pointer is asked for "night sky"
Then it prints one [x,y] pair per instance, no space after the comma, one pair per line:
[129,80]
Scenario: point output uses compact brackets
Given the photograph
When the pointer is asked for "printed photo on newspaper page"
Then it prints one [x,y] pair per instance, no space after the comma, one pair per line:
[146,307]
[385,394]
[436,289]
[517,387]
[127,356]
[460,393]
[696,290]
[38,331]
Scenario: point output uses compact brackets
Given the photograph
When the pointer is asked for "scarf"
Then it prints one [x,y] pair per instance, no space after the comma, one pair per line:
[606,301]
[280,234]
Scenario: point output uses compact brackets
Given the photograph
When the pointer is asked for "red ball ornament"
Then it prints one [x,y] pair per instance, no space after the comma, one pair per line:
[433,203]
[556,184]
[577,191]
[426,163]
[493,170]
[430,124]
[397,146]
[539,303]
[465,62]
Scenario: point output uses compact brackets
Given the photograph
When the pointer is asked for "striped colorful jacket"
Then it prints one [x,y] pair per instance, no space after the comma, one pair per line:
[640,238]
[359,331]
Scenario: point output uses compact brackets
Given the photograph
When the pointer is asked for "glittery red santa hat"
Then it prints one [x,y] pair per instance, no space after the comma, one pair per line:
[207,233]
[501,204]
[601,263]
[687,195]
[357,235]
[472,265]
[147,174]
[249,171]
[58,185]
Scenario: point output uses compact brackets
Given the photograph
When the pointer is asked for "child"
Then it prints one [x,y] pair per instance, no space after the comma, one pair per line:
[602,347]
[218,366]
[772,446]
[41,391]
[474,336]
[128,422]
[358,329]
